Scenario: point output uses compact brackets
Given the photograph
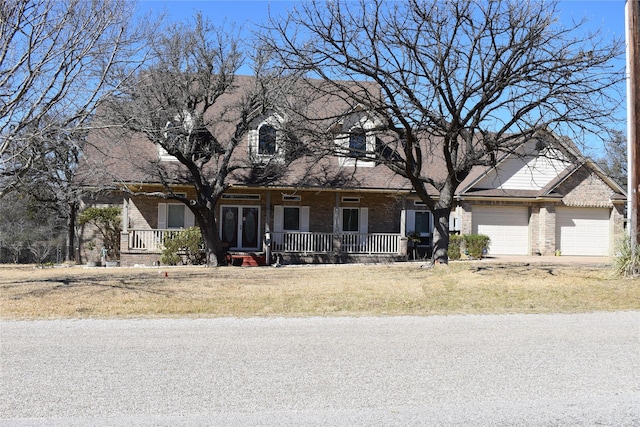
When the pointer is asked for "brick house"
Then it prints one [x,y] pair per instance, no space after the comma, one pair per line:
[348,208]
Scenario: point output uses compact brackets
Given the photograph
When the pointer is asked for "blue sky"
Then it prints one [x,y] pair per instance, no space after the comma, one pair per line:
[607,15]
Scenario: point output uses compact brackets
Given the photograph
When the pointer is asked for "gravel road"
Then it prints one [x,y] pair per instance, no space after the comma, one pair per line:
[533,370]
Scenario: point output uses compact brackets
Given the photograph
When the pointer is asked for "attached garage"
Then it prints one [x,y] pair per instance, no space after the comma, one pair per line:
[583,231]
[507,227]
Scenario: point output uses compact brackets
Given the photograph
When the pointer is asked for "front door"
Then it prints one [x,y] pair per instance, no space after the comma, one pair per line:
[240,227]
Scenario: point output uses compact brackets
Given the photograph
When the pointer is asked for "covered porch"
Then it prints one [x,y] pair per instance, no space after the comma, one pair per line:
[144,246]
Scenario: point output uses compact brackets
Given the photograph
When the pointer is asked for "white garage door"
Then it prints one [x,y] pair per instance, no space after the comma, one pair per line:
[583,231]
[507,227]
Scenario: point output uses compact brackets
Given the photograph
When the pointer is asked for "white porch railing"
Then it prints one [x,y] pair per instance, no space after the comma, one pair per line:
[301,242]
[149,240]
[295,242]
[304,242]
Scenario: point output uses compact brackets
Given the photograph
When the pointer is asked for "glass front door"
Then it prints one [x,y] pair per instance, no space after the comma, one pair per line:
[240,226]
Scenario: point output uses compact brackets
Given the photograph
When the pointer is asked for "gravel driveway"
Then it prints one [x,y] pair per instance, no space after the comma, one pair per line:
[456,370]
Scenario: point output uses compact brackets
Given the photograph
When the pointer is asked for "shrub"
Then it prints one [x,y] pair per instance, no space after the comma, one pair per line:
[626,261]
[476,245]
[455,247]
[107,220]
[187,243]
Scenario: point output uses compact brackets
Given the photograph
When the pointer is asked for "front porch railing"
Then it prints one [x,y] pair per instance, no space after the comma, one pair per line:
[300,242]
[148,240]
[293,242]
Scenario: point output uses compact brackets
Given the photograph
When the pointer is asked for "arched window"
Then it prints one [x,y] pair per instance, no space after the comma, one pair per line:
[266,139]
[357,143]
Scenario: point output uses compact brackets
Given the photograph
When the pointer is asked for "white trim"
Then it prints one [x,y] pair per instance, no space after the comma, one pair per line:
[356,121]
[274,120]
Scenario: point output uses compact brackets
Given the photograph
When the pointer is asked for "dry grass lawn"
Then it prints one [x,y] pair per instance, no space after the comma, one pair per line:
[332,290]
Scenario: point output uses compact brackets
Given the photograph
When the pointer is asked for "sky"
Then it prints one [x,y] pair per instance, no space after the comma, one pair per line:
[607,15]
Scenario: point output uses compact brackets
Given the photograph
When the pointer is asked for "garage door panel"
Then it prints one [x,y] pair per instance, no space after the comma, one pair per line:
[507,227]
[583,231]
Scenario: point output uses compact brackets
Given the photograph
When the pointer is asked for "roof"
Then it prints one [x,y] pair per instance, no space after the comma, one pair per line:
[115,157]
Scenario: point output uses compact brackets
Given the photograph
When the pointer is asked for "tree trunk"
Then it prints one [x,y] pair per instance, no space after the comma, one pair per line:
[71,231]
[441,234]
[209,230]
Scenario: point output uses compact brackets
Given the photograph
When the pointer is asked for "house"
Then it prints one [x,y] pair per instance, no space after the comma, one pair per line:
[541,199]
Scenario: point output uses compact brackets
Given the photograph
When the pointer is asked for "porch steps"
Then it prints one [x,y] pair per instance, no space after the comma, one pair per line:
[248,260]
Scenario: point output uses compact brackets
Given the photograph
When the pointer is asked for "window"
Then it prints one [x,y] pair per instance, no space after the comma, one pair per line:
[348,199]
[232,196]
[357,143]
[267,139]
[350,219]
[291,219]
[174,215]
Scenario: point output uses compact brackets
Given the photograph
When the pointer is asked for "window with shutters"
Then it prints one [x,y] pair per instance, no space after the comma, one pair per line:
[174,216]
[291,218]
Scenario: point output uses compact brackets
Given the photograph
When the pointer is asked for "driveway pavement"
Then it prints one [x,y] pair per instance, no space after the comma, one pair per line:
[598,261]
[531,370]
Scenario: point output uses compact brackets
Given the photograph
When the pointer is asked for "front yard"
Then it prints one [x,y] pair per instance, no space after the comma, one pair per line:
[27,292]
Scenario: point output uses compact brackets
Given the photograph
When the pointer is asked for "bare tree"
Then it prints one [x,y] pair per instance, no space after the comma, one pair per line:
[53,180]
[462,82]
[192,104]
[58,58]
[614,162]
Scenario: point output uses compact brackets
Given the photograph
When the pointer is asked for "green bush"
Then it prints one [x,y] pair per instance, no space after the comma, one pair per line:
[455,247]
[186,243]
[476,245]
[107,220]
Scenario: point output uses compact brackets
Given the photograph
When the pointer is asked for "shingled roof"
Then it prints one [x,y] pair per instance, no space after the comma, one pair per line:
[114,157]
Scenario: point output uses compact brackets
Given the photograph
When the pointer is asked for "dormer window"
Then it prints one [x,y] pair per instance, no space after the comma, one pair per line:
[357,143]
[267,139]
[355,138]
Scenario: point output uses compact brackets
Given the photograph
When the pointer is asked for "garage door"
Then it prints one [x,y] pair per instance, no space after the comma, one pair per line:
[507,227]
[583,231]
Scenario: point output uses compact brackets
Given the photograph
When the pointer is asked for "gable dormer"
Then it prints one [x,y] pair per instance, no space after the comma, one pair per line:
[355,138]
[266,137]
